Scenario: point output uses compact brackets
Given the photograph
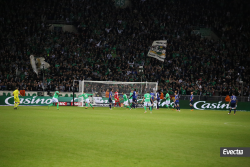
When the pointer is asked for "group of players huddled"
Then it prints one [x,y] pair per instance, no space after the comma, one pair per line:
[148,100]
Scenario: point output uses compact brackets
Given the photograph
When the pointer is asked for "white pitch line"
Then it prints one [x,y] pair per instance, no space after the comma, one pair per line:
[230,123]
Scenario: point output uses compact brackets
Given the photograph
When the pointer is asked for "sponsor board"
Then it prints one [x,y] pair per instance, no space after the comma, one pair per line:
[35,100]
[202,105]
[75,103]
[29,100]
[103,101]
[210,105]
[198,105]
[62,103]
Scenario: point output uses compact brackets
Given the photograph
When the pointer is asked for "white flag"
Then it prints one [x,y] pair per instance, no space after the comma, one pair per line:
[38,63]
[158,50]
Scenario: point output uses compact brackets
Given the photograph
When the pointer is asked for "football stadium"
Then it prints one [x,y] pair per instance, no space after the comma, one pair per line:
[161,83]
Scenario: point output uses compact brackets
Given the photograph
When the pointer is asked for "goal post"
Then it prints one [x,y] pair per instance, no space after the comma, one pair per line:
[99,88]
[80,102]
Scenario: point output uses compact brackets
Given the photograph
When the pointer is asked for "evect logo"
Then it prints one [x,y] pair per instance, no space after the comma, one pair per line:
[232,152]
[235,151]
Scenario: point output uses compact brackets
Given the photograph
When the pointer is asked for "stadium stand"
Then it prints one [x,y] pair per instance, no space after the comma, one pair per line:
[111,43]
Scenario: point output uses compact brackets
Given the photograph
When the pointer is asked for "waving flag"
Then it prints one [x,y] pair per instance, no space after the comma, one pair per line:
[158,50]
[38,63]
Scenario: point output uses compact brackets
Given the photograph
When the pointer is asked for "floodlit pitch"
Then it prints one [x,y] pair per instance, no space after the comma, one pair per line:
[74,136]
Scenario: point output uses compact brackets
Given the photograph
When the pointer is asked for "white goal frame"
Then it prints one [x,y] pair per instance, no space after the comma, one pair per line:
[92,101]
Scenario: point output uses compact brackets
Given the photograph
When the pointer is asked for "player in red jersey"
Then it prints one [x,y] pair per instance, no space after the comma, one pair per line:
[117,100]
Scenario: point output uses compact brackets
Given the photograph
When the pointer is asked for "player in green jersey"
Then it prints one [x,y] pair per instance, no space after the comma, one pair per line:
[148,102]
[125,98]
[55,100]
[167,100]
[86,99]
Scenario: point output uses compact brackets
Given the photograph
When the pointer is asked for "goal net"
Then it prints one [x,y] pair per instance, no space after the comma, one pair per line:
[99,89]
[80,101]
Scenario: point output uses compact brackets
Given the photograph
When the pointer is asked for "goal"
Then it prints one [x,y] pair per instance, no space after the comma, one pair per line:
[99,88]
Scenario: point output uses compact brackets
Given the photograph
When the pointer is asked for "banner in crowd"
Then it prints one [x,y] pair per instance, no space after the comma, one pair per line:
[158,50]
[103,101]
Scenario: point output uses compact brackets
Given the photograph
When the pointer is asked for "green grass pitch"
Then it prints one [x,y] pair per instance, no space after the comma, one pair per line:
[74,137]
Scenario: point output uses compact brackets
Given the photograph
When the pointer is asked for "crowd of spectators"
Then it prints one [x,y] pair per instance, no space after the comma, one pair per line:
[112,42]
